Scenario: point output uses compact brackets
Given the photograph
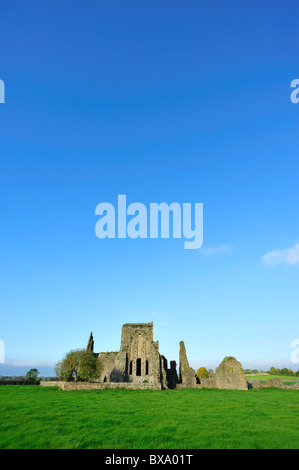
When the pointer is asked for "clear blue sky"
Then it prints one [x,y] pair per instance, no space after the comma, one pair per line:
[161,101]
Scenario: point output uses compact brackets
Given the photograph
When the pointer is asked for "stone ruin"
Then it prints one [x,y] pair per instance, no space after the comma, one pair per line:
[187,374]
[229,376]
[139,362]
[274,382]
[139,365]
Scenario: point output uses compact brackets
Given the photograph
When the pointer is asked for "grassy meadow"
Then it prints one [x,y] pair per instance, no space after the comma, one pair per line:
[287,379]
[37,417]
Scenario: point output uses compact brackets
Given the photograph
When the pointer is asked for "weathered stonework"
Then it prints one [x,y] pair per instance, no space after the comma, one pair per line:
[254,383]
[274,382]
[69,386]
[229,376]
[138,362]
[187,374]
[90,343]
[139,365]
[141,353]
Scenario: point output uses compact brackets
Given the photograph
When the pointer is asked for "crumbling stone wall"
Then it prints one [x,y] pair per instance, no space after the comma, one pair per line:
[187,374]
[163,372]
[254,383]
[68,386]
[210,381]
[90,343]
[229,376]
[107,361]
[274,382]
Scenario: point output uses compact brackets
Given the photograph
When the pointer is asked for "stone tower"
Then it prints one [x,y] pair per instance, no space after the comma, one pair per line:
[138,361]
[142,352]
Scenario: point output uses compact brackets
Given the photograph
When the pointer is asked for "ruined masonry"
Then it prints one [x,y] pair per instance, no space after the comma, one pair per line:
[229,375]
[139,364]
[138,361]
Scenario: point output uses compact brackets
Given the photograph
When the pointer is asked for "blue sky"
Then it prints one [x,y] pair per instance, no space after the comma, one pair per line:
[169,102]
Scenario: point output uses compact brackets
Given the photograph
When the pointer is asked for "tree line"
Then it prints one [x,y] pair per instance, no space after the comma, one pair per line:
[284,371]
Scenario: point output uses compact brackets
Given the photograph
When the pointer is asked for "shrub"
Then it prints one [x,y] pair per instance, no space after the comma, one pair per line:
[202,372]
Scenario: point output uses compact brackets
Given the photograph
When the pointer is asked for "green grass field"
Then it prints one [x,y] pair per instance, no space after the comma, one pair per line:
[37,417]
[263,378]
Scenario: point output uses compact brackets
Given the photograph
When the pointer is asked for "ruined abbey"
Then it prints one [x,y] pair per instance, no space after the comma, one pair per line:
[139,365]
[138,361]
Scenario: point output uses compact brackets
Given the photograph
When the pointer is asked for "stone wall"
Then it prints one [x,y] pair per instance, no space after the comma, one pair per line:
[130,330]
[229,376]
[68,386]
[275,382]
[187,374]
[107,360]
[51,383]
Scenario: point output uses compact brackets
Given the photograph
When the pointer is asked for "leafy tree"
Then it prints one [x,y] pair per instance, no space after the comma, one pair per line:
[67,368]
[90,367]
[32,375]
[78,365]
[202,372]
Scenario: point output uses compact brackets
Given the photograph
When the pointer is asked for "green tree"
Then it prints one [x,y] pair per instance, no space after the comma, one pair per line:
[202,372]
[67,368]
[78,365]
[32,376]
[89,366]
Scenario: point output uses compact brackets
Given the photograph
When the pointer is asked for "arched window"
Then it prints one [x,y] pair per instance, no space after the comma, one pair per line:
[146,367]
